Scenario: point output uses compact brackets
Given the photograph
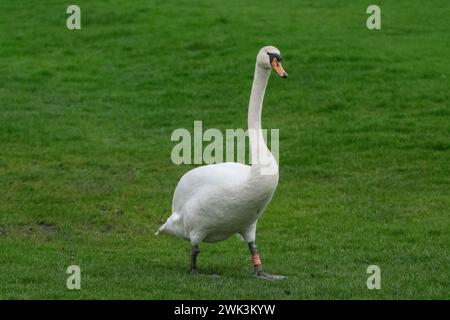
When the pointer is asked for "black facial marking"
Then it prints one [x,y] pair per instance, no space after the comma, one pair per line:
[274,55]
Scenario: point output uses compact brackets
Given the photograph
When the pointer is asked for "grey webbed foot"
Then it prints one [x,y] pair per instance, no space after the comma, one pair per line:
[194,272]
[267,276]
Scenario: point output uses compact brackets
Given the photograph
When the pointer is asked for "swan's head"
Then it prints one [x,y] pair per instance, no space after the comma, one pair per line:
[270,58]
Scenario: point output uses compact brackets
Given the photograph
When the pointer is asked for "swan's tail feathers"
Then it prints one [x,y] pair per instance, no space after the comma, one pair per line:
[161,229]
[174,226]
[167,226]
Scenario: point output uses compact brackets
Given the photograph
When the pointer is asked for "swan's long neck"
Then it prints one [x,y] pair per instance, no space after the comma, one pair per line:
[256,98]
[258,147]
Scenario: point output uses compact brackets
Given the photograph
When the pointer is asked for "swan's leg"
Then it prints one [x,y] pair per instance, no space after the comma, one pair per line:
[255,257]
[260,273]
[195,252]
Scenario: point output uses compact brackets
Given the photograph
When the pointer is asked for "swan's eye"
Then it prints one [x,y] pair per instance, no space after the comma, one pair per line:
[273,56]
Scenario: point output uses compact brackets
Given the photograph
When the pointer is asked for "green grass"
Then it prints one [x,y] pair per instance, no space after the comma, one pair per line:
[85,124]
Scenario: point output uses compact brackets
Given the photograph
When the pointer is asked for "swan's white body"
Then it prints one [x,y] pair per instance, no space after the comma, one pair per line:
[213,202]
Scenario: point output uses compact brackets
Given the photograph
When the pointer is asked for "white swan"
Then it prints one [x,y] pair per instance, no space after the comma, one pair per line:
[213,202]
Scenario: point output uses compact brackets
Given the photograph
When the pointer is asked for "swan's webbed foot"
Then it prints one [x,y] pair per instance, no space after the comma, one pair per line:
[259,272]
[194,272]
[267,276]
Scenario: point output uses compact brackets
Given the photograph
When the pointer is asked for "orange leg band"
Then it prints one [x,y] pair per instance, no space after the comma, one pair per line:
[256,261]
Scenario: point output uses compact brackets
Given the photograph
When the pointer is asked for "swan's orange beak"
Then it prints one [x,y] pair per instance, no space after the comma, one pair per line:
[276,65]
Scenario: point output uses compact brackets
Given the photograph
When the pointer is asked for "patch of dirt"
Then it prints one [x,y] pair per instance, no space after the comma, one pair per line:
[46,227]
[114,211]
[42,228]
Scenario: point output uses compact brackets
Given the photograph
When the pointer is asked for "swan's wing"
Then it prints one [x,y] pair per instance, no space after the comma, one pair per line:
[193,183]
[202,177]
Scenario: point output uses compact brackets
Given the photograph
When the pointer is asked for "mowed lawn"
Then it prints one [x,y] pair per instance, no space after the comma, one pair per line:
[86,118]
